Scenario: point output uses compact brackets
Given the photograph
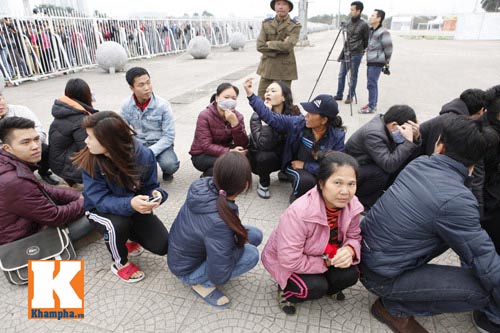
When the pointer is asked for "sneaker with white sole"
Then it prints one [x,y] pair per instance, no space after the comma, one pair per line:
[366,110]
[263,191]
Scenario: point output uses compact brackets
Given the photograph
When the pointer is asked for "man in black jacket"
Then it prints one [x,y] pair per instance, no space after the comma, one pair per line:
[491,187]
[352,52]
[425,212]
[470,104]
[382,148]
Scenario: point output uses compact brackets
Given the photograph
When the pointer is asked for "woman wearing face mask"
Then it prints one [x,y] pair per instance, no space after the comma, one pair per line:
[219,129]
[382,147]
[320,129]
[266,143]
[316,246]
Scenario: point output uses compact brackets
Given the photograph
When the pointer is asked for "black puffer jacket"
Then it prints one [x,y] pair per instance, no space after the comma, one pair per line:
[66,137]
[265,138]
[431,129]
[492,171]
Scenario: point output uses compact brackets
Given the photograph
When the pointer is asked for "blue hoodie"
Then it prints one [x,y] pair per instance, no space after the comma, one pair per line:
[199,234]
[106,197]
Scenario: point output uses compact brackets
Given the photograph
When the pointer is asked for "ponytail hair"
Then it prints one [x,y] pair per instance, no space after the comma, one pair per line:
[232,176]
[221,88]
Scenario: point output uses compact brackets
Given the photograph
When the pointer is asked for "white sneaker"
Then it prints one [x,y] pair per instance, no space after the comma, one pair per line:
[263,192]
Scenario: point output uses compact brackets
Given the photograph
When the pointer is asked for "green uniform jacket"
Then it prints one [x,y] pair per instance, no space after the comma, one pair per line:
[278,59]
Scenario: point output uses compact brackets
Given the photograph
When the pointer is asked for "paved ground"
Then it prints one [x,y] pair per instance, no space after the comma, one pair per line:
[426,74]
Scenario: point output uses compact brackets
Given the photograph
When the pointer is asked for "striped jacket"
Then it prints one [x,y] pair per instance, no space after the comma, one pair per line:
[379,50]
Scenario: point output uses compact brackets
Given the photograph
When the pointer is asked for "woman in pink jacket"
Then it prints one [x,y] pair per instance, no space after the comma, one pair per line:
[315,248]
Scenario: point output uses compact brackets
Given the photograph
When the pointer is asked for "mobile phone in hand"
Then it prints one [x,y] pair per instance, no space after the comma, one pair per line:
[154,199]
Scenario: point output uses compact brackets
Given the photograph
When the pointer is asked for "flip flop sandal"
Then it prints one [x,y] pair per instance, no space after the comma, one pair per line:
[126,272]
[212,298]
[134,249]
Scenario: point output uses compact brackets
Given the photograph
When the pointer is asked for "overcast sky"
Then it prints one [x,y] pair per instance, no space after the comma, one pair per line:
[260,8]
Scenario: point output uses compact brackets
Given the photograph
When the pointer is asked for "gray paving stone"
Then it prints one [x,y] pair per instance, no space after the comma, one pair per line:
[424,80]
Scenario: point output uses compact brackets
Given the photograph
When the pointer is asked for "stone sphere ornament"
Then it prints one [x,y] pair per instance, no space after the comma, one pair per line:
[199,47]
[111,57]
[237,41]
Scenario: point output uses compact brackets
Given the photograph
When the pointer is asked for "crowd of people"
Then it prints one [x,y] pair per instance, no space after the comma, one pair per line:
[376,208]
[42,45]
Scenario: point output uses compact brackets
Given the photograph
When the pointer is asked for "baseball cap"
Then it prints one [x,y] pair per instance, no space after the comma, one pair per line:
[324,105]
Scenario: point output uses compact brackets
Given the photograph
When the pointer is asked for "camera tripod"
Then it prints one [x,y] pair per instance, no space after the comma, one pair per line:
[347,60]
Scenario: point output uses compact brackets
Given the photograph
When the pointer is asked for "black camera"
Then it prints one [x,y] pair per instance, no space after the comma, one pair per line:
[343,25]
[386,70]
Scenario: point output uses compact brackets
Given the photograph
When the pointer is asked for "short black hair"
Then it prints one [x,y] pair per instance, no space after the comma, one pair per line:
[359,5]
[467,140]
[9,124]
[400,114]
[133,73]
[473,99]
[381,14]
[492,101]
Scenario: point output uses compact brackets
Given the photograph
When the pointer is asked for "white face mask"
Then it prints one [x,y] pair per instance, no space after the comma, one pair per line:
[227,104]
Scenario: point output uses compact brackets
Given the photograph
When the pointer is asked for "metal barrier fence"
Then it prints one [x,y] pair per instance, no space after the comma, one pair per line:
[35,47]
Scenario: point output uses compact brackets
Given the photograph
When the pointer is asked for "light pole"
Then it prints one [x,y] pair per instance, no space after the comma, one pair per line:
[303,41]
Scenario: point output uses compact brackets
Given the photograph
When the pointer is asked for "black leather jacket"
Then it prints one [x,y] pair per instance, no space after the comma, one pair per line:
[357,38]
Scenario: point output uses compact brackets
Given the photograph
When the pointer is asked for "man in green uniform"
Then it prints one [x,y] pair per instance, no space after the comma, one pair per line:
[276,41]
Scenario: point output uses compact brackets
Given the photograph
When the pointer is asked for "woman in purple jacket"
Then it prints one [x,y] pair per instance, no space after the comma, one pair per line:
[315,248]
[219,129]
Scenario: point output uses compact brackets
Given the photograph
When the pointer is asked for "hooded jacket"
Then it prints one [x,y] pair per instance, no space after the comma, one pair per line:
[298,243]
[199,234]
[431,129]
[66,136]
[24,208]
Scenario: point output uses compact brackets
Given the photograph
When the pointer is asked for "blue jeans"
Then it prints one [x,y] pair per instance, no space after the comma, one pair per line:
[248,260]
[344,68]
[373,74]
[5,63]
[168,161]
[429,290]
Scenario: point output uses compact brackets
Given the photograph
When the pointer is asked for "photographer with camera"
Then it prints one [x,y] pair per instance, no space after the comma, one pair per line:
[378,55]
[356,41]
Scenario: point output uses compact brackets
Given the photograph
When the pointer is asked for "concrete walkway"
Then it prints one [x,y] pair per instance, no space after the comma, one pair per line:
[426,74]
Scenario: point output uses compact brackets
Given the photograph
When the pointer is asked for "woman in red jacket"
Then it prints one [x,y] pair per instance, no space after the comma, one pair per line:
[219,129]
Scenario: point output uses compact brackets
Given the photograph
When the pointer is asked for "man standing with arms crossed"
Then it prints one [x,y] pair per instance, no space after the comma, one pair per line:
[356,42]
[276,41]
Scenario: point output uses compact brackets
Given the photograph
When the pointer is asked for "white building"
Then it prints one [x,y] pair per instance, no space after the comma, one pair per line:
[25,7]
